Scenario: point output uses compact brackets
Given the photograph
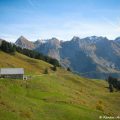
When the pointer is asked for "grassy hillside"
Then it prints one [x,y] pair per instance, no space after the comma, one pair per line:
[58,95]
[31,66]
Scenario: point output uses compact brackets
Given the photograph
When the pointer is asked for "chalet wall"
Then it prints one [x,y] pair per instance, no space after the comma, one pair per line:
[14,76]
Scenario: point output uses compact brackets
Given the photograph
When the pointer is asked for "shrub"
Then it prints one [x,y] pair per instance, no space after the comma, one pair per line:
[100,106]
[26,114]
[46,71]
[110,88]
[113,83]
[54,68]
[2,102]
[68,69]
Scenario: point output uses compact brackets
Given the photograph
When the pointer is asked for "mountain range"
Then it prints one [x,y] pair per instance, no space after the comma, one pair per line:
[94,57]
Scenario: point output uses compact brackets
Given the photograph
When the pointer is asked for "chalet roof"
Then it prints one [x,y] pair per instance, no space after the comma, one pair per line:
[9,71]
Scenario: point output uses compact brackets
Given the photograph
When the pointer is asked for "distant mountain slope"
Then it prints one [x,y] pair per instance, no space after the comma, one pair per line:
[50,47]
[100,56]
[96,57]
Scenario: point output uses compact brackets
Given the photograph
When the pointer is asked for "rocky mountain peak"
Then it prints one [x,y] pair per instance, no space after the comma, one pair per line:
[96,38]
[24,43]
[54,42]
[22,39]
[53,38]
[75,38]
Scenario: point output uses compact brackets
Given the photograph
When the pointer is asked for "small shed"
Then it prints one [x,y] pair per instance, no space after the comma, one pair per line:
[17,73]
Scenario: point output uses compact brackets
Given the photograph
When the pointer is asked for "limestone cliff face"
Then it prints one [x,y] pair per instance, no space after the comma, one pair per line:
[24,43]
[95,56]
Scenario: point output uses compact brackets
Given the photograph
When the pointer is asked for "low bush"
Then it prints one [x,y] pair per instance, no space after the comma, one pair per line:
[100,106]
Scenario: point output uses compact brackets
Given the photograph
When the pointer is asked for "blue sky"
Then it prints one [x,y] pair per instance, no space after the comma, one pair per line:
[59,18]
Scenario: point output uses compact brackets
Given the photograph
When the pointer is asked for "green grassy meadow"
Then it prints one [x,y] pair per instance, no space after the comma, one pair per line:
[59,95]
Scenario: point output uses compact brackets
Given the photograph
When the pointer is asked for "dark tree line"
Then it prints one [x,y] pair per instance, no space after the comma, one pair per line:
[12,48]
[7,47]
[114,83]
